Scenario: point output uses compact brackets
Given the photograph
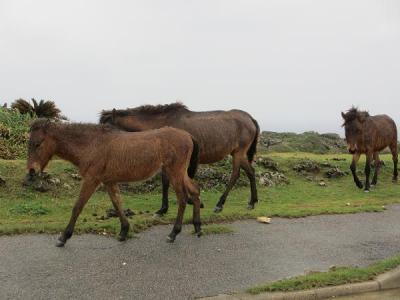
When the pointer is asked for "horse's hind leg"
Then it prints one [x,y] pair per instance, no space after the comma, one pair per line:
[194,193]
[113,192]
[87,189]
[250,172]
[234,177]
[165,187]
[377,164]
[394,150]
[181,196]
[353,169]
[368,161]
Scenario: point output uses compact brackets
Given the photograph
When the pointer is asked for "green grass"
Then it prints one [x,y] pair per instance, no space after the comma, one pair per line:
[335,277]
[24,210]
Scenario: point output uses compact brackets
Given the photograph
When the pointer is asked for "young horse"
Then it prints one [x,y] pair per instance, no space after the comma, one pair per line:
[107,155]
[219,133]
[369,135]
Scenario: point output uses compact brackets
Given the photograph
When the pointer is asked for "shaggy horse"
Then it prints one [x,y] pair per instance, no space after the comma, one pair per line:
[369,135]
[107,155]
[219,133]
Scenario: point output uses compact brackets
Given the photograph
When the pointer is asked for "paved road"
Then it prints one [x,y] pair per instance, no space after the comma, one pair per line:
[97,267]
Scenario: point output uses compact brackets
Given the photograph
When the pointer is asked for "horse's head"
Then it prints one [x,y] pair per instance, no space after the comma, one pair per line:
[41,146]
[353,126]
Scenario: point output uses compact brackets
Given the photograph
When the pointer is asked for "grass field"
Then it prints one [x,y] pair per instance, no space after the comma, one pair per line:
[25,210]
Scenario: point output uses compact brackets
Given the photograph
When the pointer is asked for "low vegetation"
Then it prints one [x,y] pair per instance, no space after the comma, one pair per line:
[27,209]
[14,129]
[336,276]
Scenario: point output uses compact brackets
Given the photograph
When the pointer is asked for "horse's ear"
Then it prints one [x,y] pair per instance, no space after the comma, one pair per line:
[343,116]
[114,113]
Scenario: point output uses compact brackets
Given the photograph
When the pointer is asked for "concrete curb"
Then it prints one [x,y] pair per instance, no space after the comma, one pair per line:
[386,281]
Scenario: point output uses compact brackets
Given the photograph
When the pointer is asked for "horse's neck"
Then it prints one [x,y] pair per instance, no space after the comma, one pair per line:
[72,150]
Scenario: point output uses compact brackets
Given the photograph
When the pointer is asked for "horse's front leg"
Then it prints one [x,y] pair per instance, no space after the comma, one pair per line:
[87,189]
[369,156]
[353,168]
[165,187]
[234,177]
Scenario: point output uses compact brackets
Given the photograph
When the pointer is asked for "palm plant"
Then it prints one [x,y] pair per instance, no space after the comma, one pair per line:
[41,109]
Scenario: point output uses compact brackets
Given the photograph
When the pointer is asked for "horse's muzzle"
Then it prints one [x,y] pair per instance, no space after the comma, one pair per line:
[30,177]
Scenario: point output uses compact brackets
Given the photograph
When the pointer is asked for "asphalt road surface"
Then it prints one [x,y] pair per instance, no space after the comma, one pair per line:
[146,267]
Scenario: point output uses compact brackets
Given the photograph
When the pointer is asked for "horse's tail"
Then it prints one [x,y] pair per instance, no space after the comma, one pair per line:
[194,159]
[253,148]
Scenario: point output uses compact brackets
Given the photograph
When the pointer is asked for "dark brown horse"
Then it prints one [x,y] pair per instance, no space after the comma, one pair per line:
[107,155]
[369,135]
[219,133]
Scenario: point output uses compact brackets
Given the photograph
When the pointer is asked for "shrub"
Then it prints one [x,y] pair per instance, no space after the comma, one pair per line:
[14,128]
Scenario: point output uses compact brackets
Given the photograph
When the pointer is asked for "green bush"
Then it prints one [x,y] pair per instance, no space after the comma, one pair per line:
[14,129]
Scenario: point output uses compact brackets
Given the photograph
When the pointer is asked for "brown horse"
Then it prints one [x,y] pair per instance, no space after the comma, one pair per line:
[107,155]
[219,133]
[369,135]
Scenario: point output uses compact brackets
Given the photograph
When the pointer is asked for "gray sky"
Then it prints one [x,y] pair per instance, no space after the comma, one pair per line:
[294,64]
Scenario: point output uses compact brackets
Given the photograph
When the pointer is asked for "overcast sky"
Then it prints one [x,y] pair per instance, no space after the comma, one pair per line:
[294,65]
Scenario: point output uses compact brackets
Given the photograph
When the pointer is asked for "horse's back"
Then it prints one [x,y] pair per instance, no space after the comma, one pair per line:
[383,131]
[219,133]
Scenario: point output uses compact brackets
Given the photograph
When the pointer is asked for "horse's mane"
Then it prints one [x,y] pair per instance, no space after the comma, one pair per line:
[354,113]
[71,128]
[106,115]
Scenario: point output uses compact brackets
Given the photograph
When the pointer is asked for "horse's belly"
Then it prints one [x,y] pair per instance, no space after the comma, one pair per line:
[133,171]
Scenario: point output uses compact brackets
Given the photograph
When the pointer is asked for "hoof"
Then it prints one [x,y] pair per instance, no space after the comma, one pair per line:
[60,244]
[217,209]
[170,240]
[199,234]
[359,185]
[366,191]
[122,238]
[250,206]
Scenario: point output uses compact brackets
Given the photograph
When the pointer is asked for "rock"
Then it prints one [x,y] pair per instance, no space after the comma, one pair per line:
[76,176]
[270,178]
[112,213]
[66,186]
[39,182]
[264,220]
[335,172]
[307,166]
[322,183]
[267,163]
[54,181]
